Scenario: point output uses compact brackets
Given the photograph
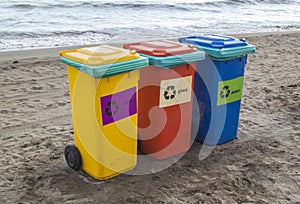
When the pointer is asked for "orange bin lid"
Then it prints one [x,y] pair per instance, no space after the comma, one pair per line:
[161,48]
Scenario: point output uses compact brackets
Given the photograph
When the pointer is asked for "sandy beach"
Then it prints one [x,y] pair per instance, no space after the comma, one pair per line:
[261,166]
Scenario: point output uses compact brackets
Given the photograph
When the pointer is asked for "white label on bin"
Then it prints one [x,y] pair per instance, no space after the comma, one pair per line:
[175,91]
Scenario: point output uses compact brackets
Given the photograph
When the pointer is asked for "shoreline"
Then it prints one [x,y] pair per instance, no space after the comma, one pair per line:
[260,166]
[53,51]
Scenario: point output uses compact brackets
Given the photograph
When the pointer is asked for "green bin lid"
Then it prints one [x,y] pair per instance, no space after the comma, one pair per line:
[177,60]
[107,70]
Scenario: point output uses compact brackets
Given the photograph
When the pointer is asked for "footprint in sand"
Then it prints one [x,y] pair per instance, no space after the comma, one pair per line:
[37,88]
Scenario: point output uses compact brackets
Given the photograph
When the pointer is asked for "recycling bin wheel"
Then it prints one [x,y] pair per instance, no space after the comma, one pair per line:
[73,157]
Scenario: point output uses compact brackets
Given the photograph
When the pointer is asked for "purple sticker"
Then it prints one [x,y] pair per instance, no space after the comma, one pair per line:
[117,106]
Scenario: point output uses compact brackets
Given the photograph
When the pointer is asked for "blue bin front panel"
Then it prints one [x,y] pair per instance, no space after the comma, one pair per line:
[216,124]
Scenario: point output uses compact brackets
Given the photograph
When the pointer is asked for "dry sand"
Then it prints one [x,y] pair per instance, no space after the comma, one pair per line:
[261,166]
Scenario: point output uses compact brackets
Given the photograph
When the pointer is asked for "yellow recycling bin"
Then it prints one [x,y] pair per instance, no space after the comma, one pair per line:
[103,84]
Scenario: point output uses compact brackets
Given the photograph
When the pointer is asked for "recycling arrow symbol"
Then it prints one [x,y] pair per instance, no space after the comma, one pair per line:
[225,92]
[111,108]
[170,92]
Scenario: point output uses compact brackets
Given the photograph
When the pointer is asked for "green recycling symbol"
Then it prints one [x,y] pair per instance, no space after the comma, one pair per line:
[170,92]
[225,92]
[111,108]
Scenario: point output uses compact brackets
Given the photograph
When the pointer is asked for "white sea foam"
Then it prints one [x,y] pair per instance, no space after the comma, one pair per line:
[47,23]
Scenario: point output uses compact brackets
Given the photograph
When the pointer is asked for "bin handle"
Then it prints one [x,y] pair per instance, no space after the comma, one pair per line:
[63,52]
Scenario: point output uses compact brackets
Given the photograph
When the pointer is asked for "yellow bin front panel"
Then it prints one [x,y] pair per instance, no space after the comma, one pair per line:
[107,147]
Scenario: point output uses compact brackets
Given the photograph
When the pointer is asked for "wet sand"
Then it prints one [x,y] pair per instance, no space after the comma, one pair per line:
[261,166]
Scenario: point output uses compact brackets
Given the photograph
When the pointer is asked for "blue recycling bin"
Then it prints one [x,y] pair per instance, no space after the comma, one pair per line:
[218,87]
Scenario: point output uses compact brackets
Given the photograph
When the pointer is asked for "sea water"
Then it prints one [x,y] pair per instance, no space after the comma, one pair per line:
[48,23]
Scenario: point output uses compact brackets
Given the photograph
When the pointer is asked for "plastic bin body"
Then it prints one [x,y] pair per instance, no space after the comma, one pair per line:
[222,126]
[218,86]
[106,150]
[104,114]
[170,130]
[165,121]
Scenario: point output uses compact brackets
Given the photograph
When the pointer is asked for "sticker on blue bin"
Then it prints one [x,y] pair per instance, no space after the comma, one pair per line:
[118,106]
[175,91]
[230,90]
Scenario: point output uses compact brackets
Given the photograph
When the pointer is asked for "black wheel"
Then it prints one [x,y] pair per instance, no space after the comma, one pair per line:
[72,156]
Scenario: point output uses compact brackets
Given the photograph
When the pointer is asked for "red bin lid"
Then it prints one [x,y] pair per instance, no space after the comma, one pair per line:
[161,48]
